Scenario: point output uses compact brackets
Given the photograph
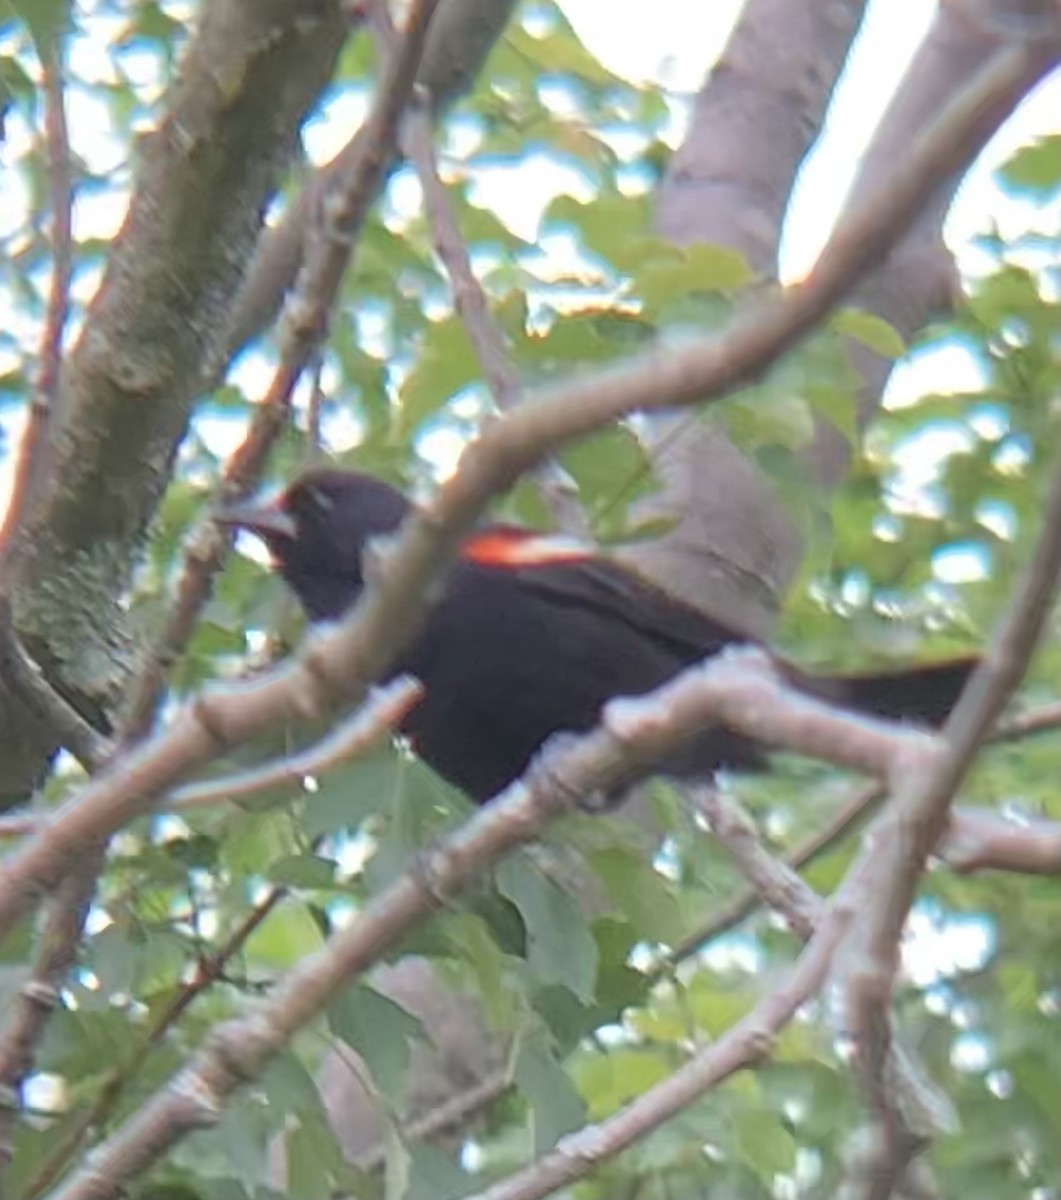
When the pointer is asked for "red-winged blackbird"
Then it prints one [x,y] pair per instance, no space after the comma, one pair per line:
[532,635]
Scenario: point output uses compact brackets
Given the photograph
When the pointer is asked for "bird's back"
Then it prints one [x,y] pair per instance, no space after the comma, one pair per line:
[509,657]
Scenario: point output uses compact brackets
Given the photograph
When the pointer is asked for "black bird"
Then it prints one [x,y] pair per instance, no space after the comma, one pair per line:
[533,634]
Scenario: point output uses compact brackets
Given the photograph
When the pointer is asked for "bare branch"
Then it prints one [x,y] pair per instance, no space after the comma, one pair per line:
[39,996]
[383,711]
[49,358]
[341,662]
[977,840]
[905,838]
[555,485]
[861,804]
[95,1116]
[50,353]
[742,1046]
[774,881]
[728,688]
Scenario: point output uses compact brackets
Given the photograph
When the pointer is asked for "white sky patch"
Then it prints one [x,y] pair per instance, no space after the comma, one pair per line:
[674,49]
[997,518]
[738,952]
[45,1092]
[520,190]
[918,461]
[99,215]
[967,562]
[971,1053]
[442,446]
[875,66]
[947,368]
[672,46]
[328,130]
[935,947]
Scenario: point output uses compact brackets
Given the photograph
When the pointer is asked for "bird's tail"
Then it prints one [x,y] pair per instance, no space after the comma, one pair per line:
[925,694]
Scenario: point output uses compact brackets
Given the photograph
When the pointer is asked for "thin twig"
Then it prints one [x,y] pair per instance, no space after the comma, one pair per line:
[453,1112]
[383,711]
[208,971]
[344,207]
[734,689]
[851,813]
[774,881]
[978,840]
[913,825]
[341,662]
[314,413]
[38,998]
[50,353]
[488,342]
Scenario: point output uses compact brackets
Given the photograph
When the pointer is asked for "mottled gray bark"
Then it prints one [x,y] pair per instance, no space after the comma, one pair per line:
[736,549]
[252,71]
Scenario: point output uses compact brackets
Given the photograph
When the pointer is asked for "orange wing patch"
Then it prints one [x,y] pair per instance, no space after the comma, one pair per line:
[502,547]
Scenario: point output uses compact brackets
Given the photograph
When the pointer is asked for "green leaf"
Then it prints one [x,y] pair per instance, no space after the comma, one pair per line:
[345,797]
[715,1009]
[445,364]
[612,469]
[757,418]
[1035,168]
[640,892]
[872,331]
[555,1103]
[560,947]
[380,1031]
[305,1156]
[255,840]
[431,1174]
[764,1144]
[610,225]
[470,937]
[609,1080]
[837,405]
[235,1147]
[287,934]
[700,267]
[47,20]
[290,1087]
[303,871]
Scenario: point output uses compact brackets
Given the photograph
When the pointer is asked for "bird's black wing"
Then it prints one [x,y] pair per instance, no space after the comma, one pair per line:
[569,573]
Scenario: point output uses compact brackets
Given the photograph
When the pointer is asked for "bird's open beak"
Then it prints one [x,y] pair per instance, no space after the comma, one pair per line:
[268,520]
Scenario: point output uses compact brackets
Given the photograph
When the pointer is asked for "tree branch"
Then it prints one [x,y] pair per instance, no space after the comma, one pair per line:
[742,1046]
[50,353]
[862,802]
[228,126]
[775,882]
[731,689]
[340,663]
[333,233]
[978,840]
[902,843]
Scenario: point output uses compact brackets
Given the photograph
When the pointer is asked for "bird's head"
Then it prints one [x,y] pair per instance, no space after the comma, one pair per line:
[317,529]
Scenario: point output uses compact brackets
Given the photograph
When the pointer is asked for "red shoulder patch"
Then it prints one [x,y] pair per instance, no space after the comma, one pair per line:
[511,547]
